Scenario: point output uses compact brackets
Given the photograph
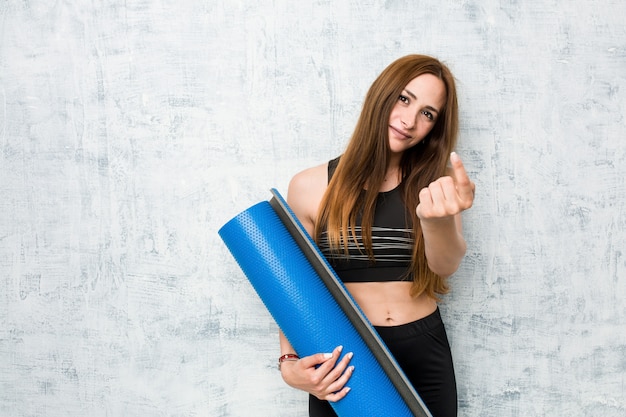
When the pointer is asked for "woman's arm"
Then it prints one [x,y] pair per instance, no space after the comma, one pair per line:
[321,374]
[439,211]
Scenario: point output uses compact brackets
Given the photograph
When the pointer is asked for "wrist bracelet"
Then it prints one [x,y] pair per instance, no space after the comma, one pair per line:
[287,357]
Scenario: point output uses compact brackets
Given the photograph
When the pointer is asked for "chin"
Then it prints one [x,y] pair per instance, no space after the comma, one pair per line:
[400,148]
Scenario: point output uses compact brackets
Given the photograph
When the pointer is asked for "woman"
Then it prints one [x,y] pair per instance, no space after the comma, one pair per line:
[386,214]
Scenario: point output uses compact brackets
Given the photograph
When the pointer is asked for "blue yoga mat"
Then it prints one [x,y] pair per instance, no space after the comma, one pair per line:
[314,310]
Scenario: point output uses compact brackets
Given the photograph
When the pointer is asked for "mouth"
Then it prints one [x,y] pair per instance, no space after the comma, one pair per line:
[401,132]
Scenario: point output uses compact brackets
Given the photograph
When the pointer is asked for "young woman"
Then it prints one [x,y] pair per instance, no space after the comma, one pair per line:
[386,214]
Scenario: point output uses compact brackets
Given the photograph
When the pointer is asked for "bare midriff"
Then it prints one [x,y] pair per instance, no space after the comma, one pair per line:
[390,303]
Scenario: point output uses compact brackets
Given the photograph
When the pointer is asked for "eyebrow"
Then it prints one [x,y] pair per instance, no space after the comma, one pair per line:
[414,97]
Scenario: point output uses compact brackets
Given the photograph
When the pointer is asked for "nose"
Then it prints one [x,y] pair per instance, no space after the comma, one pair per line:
[409,119]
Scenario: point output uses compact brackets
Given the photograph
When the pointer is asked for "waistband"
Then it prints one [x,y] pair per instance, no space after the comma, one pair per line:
[415,328]
[373,273]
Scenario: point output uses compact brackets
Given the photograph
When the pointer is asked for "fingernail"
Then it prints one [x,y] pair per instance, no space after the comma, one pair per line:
[350,355]
[454,156]
[339,348]
[328,355]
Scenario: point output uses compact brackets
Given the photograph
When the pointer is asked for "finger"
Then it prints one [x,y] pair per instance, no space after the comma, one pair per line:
[458,169]
[439,201]
[425,197]
[338,372]
[441,190]
[336,396]
[337,389]
[464,185]
[425,203]
[450,202]
[340,382]
[322,358]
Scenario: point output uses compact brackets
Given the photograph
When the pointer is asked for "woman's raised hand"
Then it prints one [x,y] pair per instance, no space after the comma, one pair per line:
[321,374]
[447,196]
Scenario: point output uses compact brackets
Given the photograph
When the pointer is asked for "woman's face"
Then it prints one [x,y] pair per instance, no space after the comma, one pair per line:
[416,111]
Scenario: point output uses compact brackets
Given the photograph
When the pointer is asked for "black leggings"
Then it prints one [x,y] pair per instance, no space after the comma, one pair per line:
[421,349]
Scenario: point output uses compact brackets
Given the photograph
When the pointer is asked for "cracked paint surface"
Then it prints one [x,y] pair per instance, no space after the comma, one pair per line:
[131,131]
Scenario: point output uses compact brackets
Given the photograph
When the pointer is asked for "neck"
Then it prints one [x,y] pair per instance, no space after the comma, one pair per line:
[394,161]
[393,168]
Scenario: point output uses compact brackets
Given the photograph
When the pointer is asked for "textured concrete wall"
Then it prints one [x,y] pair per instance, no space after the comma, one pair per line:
[130,131]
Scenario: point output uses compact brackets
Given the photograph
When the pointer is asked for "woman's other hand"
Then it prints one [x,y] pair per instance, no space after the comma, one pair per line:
[447,196]
[321,375]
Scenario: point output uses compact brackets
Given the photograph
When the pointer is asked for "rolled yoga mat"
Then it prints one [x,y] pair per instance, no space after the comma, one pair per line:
[314,310]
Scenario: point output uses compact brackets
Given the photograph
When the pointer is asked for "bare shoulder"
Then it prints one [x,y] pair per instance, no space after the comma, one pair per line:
[305,193]
[310,179]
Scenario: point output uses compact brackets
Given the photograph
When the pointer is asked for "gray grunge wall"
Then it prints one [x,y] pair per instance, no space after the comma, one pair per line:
[130,131]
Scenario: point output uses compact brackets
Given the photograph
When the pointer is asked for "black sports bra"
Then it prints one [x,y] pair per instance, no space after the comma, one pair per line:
[392,243]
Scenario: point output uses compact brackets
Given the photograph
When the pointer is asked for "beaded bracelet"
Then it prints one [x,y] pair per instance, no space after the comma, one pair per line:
[287,357]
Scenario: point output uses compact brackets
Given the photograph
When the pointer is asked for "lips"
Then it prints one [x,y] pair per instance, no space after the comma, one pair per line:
[400,132]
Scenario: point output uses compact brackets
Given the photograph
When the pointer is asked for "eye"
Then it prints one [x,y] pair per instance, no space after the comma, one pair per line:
[428,114]
[403,99]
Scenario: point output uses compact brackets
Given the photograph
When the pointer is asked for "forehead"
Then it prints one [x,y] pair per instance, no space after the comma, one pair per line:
[428,90]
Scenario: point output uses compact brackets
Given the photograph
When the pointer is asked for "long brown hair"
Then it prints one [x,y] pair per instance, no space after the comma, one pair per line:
[360,173]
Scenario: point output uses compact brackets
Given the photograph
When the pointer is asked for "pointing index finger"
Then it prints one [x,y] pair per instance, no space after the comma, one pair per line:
[460,175]
[464,184]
